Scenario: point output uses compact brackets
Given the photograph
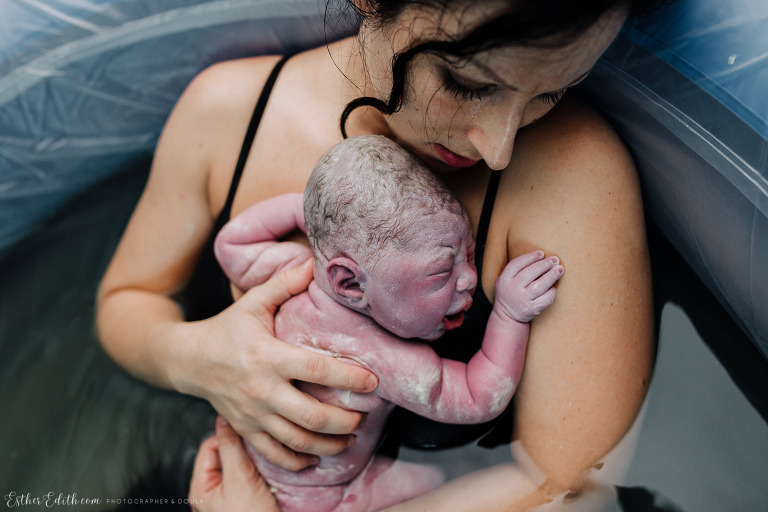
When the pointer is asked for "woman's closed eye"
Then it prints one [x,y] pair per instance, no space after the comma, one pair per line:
[551,98]
[466,91]
[463,89]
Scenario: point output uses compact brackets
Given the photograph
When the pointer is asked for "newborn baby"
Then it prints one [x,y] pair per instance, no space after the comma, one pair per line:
[394,267]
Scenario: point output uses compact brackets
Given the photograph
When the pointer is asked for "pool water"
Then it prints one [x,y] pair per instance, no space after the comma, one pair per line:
[73,422]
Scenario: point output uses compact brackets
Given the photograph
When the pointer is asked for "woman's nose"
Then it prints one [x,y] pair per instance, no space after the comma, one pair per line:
[493,135]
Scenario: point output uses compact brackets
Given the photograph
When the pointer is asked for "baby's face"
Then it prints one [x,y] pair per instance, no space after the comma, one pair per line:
[423,291]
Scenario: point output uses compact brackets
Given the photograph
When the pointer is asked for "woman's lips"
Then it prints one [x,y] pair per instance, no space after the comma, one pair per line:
[451,158]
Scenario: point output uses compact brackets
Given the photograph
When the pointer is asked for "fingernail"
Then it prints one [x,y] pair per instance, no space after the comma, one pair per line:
[221,421]
[371,383]
[555,260]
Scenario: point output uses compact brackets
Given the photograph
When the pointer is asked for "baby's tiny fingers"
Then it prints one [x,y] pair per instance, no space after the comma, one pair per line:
[516,265]
[543,301]
[545,282]
[535,270]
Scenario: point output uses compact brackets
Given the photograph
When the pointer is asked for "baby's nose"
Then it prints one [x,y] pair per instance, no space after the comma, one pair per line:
[467,278]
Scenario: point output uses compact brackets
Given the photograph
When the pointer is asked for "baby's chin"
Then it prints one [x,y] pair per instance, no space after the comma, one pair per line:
[447,323]
[432,335]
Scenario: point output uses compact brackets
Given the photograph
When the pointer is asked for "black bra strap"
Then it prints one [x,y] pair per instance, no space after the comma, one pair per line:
[488,202]
[250,135]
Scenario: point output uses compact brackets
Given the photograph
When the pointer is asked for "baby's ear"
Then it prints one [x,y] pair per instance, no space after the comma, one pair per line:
[346,280]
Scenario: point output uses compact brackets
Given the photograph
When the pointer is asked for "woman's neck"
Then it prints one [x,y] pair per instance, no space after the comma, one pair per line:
[345,56]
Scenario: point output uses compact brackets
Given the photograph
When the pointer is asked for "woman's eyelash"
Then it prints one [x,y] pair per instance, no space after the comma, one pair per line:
[467,93]
[461,91]
[551,98]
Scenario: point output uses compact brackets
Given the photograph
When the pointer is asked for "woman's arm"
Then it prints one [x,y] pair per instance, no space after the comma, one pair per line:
[572,191]
[232,359]
[590,355]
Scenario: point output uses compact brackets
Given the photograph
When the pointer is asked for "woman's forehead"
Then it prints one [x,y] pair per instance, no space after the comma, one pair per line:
[532,66]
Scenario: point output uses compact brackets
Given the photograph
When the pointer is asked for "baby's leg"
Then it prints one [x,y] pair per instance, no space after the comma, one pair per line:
[315,498]
[386,482]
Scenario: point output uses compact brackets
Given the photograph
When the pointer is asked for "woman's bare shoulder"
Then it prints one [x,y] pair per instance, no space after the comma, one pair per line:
[573,170]
[212,115]
[229,84]
[576,145]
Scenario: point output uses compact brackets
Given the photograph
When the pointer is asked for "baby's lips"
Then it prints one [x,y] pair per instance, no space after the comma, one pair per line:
[453,321]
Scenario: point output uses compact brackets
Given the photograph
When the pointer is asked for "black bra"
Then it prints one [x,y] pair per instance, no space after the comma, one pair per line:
[208,293]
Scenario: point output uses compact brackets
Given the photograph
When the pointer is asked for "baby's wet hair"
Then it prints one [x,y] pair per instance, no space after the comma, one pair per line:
[366,193]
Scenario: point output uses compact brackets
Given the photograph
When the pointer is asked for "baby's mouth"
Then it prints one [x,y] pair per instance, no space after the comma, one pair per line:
[453,321]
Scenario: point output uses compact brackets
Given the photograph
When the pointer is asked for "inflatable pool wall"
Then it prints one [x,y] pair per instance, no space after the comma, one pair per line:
[687,89]
[86,85]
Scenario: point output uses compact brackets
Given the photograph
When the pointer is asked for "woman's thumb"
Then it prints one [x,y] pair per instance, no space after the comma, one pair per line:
[282,286]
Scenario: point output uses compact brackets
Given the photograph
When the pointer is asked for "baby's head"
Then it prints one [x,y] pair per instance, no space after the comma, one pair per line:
[390,240]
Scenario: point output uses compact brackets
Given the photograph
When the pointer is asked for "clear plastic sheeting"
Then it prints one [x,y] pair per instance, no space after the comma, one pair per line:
[86,85]
[686,88]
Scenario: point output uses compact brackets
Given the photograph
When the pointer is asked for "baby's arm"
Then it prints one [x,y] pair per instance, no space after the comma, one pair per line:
[247,247]
[417,379]
[523,290]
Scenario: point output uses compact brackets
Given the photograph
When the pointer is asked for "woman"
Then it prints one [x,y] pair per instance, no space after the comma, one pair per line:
[466,86]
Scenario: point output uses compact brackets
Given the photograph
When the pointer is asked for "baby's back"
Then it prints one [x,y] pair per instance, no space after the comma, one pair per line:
[316,322]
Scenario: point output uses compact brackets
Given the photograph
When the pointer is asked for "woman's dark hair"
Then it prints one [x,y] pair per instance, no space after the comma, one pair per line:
[541,23]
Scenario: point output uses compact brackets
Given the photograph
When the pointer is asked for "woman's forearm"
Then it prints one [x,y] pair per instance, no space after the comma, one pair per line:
[501,488]
[518,487]
[136,329]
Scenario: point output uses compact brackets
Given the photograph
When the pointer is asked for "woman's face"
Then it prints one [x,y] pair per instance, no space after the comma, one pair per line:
[456,114]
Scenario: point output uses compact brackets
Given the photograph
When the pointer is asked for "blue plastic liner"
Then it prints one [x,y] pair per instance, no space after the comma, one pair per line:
[86,85]
[686,89]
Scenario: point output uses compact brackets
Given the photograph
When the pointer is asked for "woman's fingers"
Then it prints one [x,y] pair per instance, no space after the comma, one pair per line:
[224,478]
[206,472]
[279,288]
[307,366]
[231,451]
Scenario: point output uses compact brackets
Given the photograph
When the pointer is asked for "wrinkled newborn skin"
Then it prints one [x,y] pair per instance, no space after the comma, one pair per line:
[420,292]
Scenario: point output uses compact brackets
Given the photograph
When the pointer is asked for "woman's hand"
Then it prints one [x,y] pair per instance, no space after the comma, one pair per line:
[224,478]
[248,378]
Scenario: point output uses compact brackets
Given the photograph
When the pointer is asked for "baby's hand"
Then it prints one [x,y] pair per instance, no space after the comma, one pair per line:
[525,287]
